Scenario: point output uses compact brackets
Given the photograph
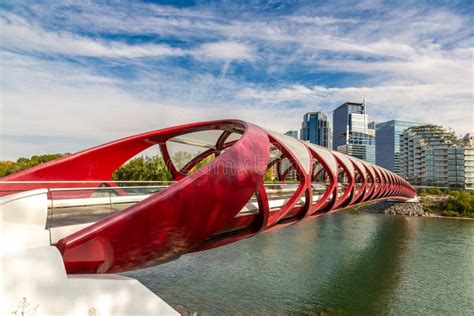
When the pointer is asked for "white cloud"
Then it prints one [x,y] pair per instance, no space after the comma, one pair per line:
[58,107]
[20,35]
[225,51]
[292,93]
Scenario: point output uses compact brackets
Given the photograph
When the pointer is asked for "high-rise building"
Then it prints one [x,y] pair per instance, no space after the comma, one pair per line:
[292,134]
[371,128]
[387,149]
[315,129]
[430,155]
[351,133]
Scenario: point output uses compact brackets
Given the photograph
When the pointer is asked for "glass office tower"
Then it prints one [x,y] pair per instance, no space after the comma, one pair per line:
[315,129]
[350,131]
[387,151]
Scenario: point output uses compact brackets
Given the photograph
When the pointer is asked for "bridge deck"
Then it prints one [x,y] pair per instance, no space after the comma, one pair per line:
[72,216]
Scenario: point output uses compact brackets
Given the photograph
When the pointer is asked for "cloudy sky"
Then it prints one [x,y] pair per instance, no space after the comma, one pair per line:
[76,74]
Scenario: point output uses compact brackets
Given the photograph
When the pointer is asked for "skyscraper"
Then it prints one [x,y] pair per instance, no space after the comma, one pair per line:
[315,129]
[387,150]
[350,131]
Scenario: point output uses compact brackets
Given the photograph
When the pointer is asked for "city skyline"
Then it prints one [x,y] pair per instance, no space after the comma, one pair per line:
[82,73]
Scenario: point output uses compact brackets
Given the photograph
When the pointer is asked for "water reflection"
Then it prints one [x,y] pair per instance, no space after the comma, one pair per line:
[374,269]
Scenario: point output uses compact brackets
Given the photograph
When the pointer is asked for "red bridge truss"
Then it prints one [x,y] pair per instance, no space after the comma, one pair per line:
[224,201]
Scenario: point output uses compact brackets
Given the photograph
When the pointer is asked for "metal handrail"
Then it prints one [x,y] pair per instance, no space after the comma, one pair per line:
[108,188]
[84,181]
[127,181]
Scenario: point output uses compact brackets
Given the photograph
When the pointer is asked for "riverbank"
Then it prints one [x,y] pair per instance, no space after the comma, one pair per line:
[395,208]
[432,203]
[448,203]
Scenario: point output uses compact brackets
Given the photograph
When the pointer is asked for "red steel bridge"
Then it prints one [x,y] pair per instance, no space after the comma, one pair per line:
[221,202]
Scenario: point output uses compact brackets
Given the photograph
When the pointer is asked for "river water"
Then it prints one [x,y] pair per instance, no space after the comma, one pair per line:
[347,262]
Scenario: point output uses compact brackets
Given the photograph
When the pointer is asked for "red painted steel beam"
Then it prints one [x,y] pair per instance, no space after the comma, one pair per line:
[329,165]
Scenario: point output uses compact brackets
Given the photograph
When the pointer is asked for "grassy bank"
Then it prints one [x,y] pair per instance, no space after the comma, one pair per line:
[452,203]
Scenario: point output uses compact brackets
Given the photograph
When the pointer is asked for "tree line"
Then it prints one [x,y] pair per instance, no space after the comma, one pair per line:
[143,168]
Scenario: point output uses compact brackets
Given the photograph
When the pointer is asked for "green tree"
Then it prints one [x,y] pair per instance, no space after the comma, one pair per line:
[181,158]
[7,167]
[143,169]
[154,168]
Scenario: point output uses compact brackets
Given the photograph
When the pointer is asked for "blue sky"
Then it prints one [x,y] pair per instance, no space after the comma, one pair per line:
[75,74]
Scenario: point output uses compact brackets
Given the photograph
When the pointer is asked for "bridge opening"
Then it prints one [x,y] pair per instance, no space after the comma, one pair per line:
[282,179]
[377,185]
[293,163]
[370,183]
[323,179]
[359,181]
[320,180]
[342,182]
[190,152]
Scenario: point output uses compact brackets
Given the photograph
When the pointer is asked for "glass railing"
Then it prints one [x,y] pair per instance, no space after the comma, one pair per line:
[88,187]
[73,205]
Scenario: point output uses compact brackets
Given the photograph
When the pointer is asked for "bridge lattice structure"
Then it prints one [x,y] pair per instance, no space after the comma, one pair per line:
[224,201]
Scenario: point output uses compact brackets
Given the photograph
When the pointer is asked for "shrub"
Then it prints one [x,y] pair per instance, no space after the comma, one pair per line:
[450,213]
[434,191]
[461,202]
[429,209]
